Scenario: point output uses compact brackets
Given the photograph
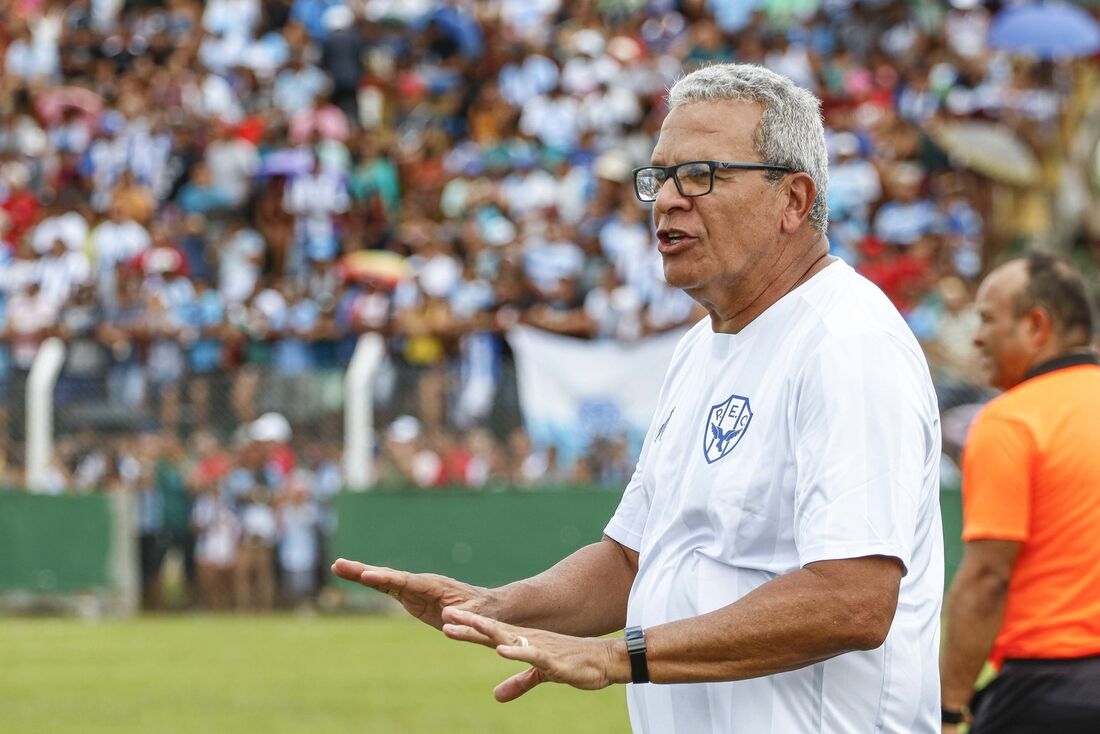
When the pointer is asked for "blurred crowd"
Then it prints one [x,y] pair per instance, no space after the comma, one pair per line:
[249,523]
[211,202]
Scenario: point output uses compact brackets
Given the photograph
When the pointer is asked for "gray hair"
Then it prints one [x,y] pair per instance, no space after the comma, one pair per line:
[791,132]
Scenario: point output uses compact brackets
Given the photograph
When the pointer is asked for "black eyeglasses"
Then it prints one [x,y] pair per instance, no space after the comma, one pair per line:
[693,178]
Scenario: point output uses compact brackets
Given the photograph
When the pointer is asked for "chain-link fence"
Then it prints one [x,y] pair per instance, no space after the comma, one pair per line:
[435,424]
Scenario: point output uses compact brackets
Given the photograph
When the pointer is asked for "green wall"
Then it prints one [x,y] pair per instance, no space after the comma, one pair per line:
[951,509]
[54,544]
[496,537]
[485,538]
[63,544]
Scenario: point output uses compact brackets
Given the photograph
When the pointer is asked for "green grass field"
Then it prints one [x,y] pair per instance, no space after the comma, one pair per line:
[298,675]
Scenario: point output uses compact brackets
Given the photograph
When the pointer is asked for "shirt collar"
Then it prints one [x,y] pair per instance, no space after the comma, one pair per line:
[1061,362]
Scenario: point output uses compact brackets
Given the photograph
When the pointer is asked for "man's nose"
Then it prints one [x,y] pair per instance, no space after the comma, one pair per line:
[669,197]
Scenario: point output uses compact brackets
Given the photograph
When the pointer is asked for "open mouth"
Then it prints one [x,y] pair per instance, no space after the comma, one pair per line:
[672,242]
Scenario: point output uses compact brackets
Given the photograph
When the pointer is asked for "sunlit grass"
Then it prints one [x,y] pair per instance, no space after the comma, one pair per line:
[271,674]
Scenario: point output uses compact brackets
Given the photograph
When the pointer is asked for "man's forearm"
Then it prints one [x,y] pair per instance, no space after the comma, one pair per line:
[975,611]
[583,595]
[792,621]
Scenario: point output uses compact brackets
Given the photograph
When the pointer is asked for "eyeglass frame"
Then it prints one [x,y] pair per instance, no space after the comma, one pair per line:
[671,172]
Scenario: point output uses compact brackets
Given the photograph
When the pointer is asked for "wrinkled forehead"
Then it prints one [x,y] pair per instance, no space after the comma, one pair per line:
[714,130]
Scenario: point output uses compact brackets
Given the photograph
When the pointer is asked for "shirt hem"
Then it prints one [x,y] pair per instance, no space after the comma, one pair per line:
[623,536]
[843,553]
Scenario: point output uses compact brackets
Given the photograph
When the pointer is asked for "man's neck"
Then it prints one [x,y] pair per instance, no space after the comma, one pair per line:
[1068,356]
[814,259]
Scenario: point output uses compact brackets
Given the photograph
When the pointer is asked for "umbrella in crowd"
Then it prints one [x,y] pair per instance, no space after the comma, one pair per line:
[1046,31]
[286,162]
[989,149]
[52,105]
[382,267]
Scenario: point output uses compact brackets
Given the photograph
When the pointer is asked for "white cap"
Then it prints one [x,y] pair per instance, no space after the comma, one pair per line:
[337,18]
[613,166]
[844,143]
[270,427]
[404,428]
[587,41]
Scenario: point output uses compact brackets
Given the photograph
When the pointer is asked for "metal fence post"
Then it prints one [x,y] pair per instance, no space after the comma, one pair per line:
[359,412]
[40,384]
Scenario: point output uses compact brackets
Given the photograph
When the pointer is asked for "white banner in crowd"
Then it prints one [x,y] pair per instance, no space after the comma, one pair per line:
[573,390]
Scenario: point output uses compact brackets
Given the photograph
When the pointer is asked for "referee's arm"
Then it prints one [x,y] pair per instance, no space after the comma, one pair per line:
[975,610]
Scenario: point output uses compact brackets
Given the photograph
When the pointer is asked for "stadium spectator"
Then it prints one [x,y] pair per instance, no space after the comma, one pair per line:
[252,492]
[1026,592]
[231,160]
[299,547]
[217,532]
[170,482]
[202,194]
[153,514]
[806,338]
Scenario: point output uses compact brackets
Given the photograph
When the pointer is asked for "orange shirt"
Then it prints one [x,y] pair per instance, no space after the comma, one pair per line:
[1031,473]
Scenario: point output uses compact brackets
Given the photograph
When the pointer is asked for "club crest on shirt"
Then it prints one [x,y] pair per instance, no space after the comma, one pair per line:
[726,424]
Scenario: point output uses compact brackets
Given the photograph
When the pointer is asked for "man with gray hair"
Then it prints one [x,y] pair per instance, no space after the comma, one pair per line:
[777,557]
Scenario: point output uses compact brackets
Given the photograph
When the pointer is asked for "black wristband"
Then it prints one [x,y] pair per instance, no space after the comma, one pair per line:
[954,716]
[635,648]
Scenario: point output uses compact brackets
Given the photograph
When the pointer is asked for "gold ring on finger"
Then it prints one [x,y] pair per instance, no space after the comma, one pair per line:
[394,593]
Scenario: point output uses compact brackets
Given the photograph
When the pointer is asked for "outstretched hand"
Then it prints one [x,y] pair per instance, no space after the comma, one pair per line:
[583,662]
[424,595]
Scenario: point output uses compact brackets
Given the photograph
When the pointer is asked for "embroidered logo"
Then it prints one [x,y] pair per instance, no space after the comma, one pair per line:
[725,426]
[661,430]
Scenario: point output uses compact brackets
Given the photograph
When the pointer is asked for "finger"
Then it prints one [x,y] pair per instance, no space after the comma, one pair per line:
[498,632]
[379,578]
[467,634]
[529,654]
[350,570]
[517,685]
[373,576]
[384,579]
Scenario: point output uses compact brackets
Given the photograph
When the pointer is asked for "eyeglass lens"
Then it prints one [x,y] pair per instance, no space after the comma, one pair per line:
[694,179]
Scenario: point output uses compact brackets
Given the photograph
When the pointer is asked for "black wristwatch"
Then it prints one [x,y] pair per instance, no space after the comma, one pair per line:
[954,716]
[635,647]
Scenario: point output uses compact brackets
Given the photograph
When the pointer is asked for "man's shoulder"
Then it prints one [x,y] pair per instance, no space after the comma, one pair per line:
[1011,410]
[1037,396]
[847,307]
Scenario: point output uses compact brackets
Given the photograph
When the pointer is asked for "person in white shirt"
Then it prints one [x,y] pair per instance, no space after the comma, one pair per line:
[67,225]
[777,557]
[115,241]
[232,162]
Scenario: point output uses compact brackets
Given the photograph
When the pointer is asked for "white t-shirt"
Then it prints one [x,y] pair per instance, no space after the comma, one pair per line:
[812,434]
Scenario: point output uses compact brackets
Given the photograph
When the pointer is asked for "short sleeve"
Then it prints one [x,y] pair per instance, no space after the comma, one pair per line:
[628,522]
[996,487]
[866,445]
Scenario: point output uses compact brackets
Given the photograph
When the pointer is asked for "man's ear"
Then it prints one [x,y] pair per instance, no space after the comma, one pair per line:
[801,193]
[1039,325]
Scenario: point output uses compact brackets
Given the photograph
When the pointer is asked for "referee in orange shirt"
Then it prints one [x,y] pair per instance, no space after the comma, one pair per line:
[1027,594]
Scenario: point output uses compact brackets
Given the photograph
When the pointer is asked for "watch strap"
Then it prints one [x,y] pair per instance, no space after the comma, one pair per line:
[954,716]
[635,648]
